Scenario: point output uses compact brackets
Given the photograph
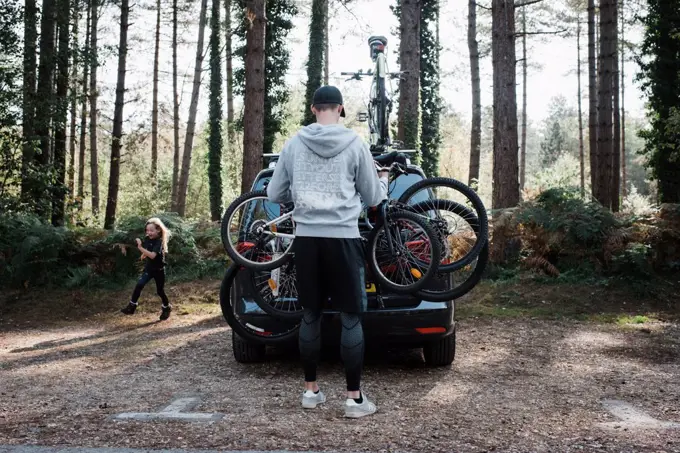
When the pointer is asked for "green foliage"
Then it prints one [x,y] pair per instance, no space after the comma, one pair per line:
[280,15]
[317,36]
[660,75]
[34,253]
[430,100]
[215,114]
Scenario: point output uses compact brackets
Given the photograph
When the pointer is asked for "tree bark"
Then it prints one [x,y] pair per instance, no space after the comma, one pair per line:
[154,101]
[74,102]
[253,118]
[28,105]
[45,90]
[175,111]
[215,115]
[230,75]
[94,160]
[592,98]
[605,111]
[327,47]
[117,135]
[615,188]
[83,107]
[581,151]
[624,183]
[408,120]
[193,107]
[523,147]
[505,140]
[60,113]
[476,133]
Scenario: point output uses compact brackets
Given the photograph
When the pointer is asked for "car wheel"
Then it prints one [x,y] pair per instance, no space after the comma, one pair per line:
[246,352]
[441,352]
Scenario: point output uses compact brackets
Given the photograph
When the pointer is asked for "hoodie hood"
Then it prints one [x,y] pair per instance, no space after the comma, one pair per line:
[327,141]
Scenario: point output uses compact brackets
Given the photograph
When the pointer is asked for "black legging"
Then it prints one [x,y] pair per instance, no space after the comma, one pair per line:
[159,277]
[351,346]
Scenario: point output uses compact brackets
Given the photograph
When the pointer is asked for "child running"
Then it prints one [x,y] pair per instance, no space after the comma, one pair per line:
[153,249]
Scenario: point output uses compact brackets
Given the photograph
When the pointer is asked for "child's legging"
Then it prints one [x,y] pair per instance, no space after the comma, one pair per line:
[159,277]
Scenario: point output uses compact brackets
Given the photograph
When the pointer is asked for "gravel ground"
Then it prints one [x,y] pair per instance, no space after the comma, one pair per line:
[516,385]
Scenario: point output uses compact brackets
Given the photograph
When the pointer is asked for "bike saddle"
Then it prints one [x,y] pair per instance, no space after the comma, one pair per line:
[392,157]
[381,39]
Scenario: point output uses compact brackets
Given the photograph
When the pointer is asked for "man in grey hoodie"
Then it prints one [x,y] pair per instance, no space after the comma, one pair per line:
[327,170]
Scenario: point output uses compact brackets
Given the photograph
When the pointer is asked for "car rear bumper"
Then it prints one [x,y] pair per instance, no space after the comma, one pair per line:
[411,326]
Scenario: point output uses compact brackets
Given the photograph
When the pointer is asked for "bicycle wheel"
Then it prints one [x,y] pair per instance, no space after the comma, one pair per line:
[457,228]
[416,252]
[453,190]
[257,233]
[275,291]
[284,333]
[469,276]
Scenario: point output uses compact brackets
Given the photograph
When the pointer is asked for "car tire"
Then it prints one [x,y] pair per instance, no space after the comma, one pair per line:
[442,352]
[245,351]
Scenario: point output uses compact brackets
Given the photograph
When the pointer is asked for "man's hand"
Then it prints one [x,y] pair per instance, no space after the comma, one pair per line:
[139,242]
[384,174]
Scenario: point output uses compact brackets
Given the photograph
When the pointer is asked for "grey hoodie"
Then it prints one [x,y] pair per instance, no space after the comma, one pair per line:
[326,171]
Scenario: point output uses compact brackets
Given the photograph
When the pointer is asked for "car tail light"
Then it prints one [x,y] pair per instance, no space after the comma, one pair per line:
[430,330]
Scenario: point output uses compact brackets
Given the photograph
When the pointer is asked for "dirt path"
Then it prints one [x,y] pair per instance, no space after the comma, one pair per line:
[515,386]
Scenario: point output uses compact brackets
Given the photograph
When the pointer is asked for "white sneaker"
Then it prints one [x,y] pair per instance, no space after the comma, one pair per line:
[310,399]
[356,410]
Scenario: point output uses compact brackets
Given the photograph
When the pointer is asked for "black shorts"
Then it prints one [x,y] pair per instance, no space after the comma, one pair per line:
[329,268]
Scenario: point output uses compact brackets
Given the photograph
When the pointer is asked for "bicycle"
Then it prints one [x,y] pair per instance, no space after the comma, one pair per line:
[403,249]
[379,105]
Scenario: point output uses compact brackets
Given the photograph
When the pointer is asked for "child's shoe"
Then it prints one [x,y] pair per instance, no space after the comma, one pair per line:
[130,309]
[165,313]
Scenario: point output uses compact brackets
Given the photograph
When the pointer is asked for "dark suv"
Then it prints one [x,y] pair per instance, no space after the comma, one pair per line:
[391,319]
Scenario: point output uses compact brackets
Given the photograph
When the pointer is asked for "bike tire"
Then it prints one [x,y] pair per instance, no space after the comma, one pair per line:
[473,199]
[430,272]
[236,255]
[226,305]
[460,210]
[465,287]
[270,305]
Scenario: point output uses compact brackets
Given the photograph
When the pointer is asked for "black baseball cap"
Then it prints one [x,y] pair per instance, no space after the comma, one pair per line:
[328,95]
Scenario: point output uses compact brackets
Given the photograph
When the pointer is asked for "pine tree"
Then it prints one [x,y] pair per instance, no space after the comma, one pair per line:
[215,114]
[660,76]
[317,33]
[430,100]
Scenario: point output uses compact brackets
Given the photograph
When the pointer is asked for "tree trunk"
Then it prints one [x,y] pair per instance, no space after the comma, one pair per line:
[28,106]
[476,133]
[230,75]
[45,92]
[615,188]
[605,111]
[624,183]
[215,114]
[317,28]
[154,102]
[83,107]
[60,113]
[592,98]
[581,150]
[253,118]
[117,135]
[94,162]
[327,48]
[74,102]
[505,140]
[409,87]
[175,111]
[523,147]
[191,123]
